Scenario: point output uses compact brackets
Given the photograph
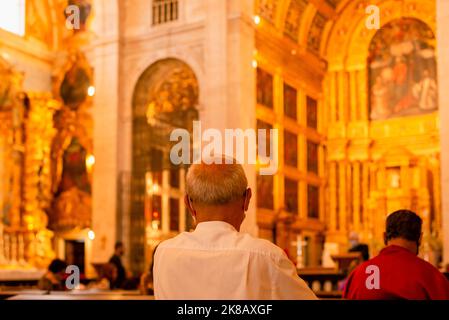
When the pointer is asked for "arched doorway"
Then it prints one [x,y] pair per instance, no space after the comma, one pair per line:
[165,98]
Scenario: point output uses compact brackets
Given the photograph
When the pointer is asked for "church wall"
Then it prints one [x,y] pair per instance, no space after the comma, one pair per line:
[220,44]
[103,54]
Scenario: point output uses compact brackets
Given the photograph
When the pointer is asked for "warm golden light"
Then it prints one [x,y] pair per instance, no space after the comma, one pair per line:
[257,20]
[90,161]
[255,64]
[91,91]
[91,235]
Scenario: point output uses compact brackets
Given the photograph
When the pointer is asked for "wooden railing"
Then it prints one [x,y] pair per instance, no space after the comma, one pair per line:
[12,248]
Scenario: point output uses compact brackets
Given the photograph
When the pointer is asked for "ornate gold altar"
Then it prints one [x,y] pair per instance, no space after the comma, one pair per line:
[26,135]
[46,148]
[377,132]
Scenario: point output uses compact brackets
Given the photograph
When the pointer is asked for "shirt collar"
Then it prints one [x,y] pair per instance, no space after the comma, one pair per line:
[216,225]
[394,248]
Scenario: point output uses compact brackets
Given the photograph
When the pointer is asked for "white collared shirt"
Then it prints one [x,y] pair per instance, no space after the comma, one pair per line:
[215,262]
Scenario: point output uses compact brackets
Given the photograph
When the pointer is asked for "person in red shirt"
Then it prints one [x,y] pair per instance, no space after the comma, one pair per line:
[397,272]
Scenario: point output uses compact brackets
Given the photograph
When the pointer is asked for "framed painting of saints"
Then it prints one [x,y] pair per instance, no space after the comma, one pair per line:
[402,70]
[265,88]
[265,183]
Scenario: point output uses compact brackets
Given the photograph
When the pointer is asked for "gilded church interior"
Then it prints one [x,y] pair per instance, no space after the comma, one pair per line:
[86,115]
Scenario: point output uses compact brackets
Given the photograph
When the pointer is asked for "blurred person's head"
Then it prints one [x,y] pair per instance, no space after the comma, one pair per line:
[218,192]
[404,228]
[119,248]
[57,267]
[353,239]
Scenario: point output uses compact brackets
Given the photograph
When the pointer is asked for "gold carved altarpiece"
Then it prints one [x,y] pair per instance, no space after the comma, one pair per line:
[26,134]
[367,168]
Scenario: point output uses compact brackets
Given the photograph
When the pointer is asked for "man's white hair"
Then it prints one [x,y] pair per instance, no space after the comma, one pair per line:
[217,183]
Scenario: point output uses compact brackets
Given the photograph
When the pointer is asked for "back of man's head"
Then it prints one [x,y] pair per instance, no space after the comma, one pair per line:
[57,266]
[216,184]
[403,224]
[119,247]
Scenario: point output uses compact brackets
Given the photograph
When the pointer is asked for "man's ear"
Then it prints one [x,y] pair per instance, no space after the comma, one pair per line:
[189,206]
[248,196]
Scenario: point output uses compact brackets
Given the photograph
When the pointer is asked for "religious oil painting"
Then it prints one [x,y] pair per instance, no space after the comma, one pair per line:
[313,202]
[402,70]
[290,149]
[312,113]
[291,195]
[290,99]
[262,125]
[264,88]
[265,183]
[312,157]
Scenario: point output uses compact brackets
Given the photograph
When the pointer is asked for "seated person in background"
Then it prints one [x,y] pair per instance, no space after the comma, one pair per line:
[146,286]
[53,278]
[397,272]
[356,246]
[107,276]
[116,260]
[217,261]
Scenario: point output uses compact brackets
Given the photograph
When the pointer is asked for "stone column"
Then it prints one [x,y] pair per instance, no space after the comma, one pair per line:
[230,90]
[443,83]
[103,54]
[356,190]
[333,196]
[342,196]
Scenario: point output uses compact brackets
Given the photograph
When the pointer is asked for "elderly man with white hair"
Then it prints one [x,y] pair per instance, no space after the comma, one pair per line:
[217,261]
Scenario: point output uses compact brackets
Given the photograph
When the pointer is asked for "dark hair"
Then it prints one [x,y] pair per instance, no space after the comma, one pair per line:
[403,224]
[118,245]
[57,265]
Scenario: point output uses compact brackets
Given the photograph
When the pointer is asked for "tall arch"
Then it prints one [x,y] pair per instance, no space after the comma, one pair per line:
[165,98]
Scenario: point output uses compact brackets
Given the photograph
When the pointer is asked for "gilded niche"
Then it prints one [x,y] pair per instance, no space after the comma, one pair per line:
[402,70]
[26,131]
[71,147]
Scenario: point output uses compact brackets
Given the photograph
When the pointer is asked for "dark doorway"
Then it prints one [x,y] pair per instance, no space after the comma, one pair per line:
[75,253]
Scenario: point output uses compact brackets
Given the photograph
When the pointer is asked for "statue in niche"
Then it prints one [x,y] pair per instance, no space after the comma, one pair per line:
[71,186]
[72,204]
[74,172]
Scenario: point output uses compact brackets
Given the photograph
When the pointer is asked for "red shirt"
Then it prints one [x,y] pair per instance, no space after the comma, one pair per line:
[401,275]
